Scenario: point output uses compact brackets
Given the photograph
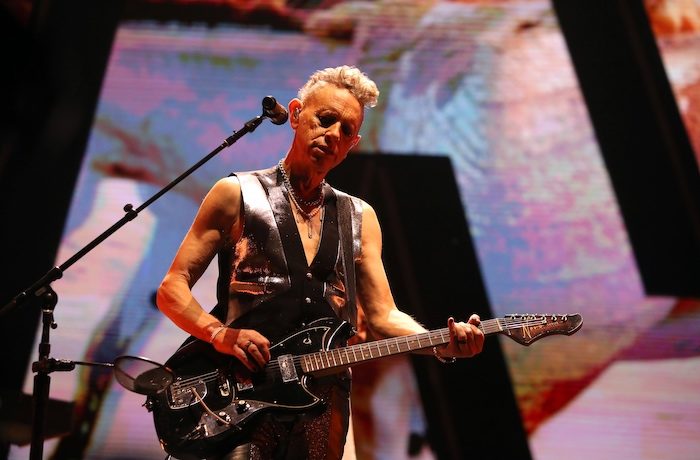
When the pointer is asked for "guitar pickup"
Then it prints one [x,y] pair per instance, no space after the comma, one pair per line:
[287,369]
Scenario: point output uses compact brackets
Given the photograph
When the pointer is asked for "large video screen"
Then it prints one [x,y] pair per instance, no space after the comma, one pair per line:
[488,84]
[676,26]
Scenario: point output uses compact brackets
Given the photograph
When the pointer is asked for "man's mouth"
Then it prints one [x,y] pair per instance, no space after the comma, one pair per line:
[323,149]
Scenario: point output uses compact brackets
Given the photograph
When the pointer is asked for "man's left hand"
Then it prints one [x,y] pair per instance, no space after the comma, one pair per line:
[466,339]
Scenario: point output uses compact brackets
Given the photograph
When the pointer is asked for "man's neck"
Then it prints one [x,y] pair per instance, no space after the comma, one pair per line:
[305,182]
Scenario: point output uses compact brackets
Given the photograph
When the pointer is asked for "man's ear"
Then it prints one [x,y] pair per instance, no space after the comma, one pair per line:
[355,141]
[294,109]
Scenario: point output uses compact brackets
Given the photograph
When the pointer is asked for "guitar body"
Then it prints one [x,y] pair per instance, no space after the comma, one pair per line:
[187,430]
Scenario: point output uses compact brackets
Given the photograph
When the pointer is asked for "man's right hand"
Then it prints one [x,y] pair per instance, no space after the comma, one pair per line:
[249,346]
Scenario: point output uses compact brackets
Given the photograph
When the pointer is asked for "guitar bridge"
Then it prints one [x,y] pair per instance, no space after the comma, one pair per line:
[287,369]
[182,396]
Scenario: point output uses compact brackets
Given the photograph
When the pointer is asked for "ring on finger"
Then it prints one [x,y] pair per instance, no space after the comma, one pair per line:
[250,342]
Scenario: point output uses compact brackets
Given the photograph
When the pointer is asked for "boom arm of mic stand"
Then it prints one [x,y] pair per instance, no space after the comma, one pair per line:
[130,214]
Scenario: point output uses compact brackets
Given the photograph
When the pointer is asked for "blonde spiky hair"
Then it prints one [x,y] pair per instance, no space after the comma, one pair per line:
[348,77]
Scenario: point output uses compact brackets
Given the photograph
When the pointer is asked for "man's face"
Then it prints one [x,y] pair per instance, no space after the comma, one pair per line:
[327,126]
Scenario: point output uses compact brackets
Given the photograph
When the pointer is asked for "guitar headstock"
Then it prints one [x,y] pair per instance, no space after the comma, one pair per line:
[528,328]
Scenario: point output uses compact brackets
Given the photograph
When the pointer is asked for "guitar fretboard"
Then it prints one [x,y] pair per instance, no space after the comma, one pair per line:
[347,356]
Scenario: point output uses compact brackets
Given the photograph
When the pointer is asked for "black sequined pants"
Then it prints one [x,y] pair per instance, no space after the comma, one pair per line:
[316,435]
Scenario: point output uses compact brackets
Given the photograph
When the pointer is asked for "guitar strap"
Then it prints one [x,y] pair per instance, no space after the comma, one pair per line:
[345,232]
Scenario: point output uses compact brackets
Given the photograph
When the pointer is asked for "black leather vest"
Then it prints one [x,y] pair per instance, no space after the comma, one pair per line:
[267,269]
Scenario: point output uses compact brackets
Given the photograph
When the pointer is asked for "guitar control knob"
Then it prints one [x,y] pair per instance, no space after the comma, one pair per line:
[242,406]
[225,418]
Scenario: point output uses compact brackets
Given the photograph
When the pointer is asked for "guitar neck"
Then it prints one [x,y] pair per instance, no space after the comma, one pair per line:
[355,354]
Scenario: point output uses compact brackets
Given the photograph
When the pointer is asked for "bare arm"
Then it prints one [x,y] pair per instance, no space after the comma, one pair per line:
[217,223]
[384,319]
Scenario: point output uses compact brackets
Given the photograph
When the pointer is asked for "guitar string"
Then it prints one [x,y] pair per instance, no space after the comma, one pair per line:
[512,323]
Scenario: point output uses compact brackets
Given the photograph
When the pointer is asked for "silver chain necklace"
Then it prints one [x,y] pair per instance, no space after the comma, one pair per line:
[316,204]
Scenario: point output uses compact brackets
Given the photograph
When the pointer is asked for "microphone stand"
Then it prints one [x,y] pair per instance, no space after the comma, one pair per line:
[42,290]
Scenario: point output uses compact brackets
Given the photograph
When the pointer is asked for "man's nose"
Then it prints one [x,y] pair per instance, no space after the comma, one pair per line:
[334,130]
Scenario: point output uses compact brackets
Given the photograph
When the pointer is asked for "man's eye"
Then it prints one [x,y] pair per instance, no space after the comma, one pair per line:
[326,120]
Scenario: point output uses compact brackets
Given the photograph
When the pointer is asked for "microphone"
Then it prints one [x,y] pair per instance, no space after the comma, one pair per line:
[274,111]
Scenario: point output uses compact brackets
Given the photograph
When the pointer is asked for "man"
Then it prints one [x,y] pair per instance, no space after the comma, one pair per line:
[271,285]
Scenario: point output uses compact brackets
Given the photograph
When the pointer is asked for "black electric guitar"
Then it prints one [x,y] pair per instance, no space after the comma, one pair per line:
[208,406]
